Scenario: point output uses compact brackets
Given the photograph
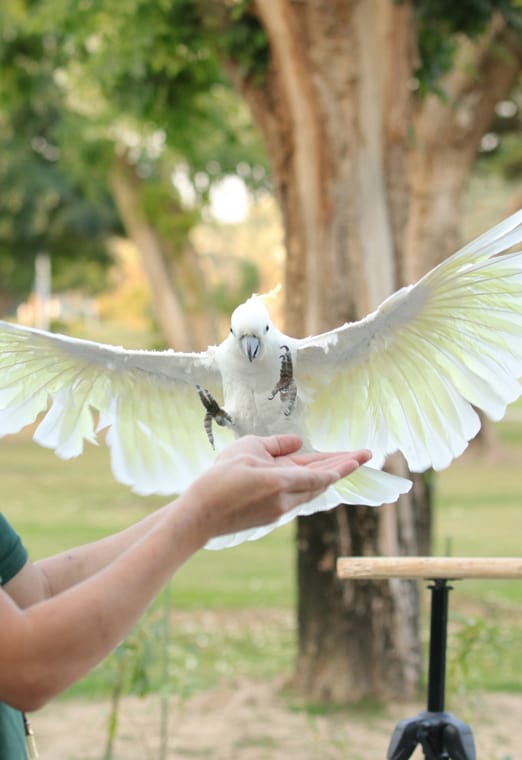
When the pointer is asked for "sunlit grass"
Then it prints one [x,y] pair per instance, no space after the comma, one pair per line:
[56,504]
[479,511]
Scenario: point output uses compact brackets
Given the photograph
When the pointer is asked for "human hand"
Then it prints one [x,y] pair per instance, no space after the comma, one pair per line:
[256,480]
[285,451]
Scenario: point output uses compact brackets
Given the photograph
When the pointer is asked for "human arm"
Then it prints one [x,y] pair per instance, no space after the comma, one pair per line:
[49,576]
[53,643]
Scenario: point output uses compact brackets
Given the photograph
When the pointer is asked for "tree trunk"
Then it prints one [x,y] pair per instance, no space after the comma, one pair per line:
[172,318]
[355,639]
[370,197]
[447,137]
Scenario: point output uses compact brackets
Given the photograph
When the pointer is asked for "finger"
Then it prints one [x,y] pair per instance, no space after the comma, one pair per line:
[345,465]
[282,445]
[332,459]
[274,446]
[301,480]
[293,500]
[298,499]
[318,456]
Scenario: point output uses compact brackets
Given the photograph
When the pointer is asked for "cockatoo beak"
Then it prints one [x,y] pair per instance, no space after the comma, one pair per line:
[250,346]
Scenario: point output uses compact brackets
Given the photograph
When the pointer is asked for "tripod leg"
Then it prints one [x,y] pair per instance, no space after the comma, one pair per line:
[458,740]
[404,740]
[442,736]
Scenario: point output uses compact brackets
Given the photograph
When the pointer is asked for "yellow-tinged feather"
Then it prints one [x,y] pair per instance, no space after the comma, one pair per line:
[404,378]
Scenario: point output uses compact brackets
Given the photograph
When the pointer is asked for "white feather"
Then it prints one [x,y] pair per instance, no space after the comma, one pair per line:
[365,486]
[405,378]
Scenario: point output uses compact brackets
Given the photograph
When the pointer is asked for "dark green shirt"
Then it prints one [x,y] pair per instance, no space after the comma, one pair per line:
[13,557]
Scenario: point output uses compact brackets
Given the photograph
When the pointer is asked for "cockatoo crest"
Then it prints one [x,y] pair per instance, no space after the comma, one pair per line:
[267,297]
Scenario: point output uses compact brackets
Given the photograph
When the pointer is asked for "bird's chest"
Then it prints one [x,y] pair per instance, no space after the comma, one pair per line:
[248,398]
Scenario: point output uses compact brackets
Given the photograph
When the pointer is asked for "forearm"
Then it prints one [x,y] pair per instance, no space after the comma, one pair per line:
[61,571]
[61,639]
[49,645]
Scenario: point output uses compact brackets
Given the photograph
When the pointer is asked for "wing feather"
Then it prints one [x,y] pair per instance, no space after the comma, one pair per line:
[364,486]
[144,402]
[408,376]
[405,378]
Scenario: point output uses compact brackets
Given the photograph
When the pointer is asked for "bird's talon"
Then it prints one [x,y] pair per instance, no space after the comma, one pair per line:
[286,387]
[214,413]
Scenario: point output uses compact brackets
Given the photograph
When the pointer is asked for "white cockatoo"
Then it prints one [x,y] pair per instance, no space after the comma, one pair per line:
[405,378]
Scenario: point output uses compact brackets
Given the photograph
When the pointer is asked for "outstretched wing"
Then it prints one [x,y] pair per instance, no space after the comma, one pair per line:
[407,376]
[145,403]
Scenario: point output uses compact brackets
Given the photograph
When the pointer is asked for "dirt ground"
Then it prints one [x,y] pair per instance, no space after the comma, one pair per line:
[248,720]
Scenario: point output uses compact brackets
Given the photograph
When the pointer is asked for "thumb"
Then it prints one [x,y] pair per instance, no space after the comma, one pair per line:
[282,445]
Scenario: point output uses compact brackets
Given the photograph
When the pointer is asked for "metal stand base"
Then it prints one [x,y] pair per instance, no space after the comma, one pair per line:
[440,734]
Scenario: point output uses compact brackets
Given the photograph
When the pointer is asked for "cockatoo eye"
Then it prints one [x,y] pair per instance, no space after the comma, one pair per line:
[267,328]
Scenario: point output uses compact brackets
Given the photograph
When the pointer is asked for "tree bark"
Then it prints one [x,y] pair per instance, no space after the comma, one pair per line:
[355,640]
[447,137]
[172,318]
[369,179]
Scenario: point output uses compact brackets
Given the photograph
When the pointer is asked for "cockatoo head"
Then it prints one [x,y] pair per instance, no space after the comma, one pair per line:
[251,325]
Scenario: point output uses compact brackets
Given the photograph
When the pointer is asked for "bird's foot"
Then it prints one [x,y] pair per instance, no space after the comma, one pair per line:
[214,413]
[286,387]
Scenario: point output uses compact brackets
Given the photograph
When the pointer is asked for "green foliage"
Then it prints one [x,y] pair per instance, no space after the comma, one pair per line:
[506,156]
[201,654]
[83,81]
[440,21]
[42,206]
[225,297]
[505,161]
[157,64]
[246,43]
[166,213]
[481,649]
[130,667]
[512,166]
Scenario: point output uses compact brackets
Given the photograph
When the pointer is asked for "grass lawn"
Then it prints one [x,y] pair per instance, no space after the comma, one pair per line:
[56,505]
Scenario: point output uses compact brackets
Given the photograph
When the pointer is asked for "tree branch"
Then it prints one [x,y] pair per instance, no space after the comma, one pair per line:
[125,189]
[485,70]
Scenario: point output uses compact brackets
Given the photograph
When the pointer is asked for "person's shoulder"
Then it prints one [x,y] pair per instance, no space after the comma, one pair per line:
[13,554]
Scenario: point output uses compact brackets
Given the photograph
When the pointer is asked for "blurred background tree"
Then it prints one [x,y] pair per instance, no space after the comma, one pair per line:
[43,205]
[371,115]
[119,99]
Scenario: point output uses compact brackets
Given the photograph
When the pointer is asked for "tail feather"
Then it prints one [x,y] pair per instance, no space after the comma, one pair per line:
[366,486]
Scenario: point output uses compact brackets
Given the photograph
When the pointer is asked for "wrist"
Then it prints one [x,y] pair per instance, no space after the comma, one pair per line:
[187,521]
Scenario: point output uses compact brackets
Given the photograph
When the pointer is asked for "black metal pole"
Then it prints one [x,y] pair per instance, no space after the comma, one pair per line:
[438,636]
[441,735]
